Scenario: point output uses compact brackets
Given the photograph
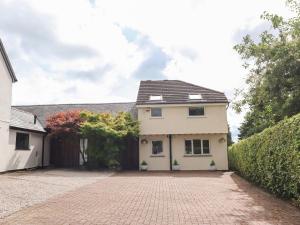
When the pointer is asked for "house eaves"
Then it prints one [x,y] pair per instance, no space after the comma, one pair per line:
[7,62]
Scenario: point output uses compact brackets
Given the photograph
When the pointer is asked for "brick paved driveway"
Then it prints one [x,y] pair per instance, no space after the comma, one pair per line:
[161,198]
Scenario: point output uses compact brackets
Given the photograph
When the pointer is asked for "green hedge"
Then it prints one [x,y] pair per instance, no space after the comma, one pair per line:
[271,159]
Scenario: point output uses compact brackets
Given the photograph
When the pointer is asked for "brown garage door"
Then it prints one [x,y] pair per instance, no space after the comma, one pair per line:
[65,152]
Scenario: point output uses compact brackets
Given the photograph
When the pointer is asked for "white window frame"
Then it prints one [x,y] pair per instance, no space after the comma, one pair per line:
[162,147]
[192,116]
[156,116]
[192,141]
[195,96]
[155,98]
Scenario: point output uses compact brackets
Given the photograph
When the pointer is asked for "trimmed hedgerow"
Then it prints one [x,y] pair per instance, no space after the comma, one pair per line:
[271,159]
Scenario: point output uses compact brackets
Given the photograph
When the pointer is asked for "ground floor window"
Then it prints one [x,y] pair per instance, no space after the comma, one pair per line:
[197,147]
[22,141]
[157,147]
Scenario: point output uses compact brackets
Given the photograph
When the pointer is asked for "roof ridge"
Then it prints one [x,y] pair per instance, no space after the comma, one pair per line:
[20,110]
[200,86]
[185,83]
[60,104]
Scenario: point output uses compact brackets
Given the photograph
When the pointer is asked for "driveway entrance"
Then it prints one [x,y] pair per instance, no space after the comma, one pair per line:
[161,198]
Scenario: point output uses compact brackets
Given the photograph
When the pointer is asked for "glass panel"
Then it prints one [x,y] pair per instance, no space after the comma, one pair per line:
[197,146]
[188,147]
[205,146]
[195,96]
[196,111]
[156,112]
[155,98]
[157,147]
[22,141]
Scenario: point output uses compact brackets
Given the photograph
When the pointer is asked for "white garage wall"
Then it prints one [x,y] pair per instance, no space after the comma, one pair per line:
[23,159]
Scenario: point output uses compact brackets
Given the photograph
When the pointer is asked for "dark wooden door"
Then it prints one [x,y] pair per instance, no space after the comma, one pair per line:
[130,155]
[65,152]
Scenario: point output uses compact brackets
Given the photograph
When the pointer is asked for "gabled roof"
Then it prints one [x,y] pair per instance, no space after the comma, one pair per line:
[7,62]
[176,92]
[25,121]
[44,111]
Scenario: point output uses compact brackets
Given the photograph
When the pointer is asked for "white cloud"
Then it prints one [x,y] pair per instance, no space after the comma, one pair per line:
[197,36]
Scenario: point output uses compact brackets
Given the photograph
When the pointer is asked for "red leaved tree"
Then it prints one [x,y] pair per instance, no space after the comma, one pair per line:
[64,123]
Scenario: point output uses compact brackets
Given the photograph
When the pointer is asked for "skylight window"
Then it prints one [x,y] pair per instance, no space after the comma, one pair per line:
[195,96]
[155,97]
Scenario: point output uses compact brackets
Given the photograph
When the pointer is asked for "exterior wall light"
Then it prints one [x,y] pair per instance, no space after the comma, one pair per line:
[222,140]
[144,141]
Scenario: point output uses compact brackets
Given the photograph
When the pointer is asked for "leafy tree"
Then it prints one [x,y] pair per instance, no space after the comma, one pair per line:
[106,134]
[273,91]
[64,123]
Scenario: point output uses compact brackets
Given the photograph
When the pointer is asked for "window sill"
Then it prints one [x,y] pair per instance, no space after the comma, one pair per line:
[195,155]
[191,117]
[22,149]
[157,156]
[158,117]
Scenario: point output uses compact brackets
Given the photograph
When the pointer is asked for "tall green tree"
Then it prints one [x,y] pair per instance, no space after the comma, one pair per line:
[273,82]
[107,135]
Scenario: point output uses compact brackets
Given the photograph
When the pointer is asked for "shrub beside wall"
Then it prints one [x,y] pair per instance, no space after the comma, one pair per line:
[271,159]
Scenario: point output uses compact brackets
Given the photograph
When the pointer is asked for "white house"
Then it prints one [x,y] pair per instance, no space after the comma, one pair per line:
[178,121]
[21,134]
[183,122]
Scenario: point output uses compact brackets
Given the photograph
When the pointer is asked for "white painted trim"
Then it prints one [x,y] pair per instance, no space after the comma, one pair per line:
[200,154]
[5,121]
[156,117]
[162,146]
[180,105]
[196,116]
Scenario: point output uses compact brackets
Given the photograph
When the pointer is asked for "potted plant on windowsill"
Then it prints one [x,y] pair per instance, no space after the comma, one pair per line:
[212,165]
[144,166]
[176,165]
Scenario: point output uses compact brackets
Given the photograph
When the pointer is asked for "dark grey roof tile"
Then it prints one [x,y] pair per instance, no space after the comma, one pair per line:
[24,120]
[44,111]
[176,92]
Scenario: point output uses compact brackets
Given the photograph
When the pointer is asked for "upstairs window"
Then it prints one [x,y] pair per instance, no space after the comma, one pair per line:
[155,98]
[195,96]
[197,147]
[156,112]
[196,111]
[22,141]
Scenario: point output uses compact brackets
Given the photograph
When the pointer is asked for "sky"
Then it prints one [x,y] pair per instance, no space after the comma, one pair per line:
[96,51]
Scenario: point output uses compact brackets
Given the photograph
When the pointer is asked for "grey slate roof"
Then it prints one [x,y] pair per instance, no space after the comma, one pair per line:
[176,92]
[24,120]
[44,111]
[7,62]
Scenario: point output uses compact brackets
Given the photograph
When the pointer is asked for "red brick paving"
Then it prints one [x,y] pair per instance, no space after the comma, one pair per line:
[162,198]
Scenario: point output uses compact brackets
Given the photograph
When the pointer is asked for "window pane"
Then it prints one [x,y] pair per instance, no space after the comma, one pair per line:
[157,147]
[156,112]
[197,146]
[22,141]
[195,96]
[205,146]
[155,98]
[196,111]
[188,147]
